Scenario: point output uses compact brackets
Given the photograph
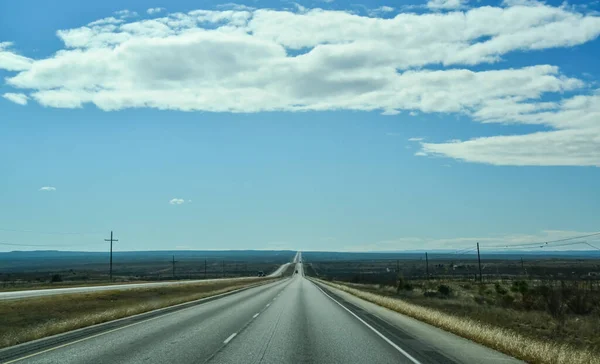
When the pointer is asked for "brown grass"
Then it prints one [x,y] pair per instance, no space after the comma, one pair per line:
[34,318]
[520,346]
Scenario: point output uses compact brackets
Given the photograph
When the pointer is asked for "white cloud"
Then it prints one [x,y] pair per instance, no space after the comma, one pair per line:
[105,21]
[487,243]
[446,4]
[177,201]
[47,188]
[234,6]
[415,139]
[380,10]
[126,13]
[575,143]
[20,99]
[11,61]
[153,11]
[252,60]
[521,2]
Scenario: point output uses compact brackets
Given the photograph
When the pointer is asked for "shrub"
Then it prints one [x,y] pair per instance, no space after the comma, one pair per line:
[479,299]
[444,290]
[578,300]
[399,283]
[430,294]
[56,278]
[507,300]
[554,301]
[408,286]
[500,289]
[520,286]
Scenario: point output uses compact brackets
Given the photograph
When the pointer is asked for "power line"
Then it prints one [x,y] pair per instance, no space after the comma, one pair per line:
[543,242]
[47,232]
[46,245]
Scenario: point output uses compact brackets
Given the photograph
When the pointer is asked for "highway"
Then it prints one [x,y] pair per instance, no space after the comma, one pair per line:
[292,320]
[12,295]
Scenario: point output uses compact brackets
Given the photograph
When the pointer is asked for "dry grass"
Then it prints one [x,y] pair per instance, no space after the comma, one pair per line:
[35,318]
[507,341]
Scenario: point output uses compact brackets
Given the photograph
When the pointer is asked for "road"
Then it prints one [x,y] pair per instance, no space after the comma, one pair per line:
[292,320]
[12,295]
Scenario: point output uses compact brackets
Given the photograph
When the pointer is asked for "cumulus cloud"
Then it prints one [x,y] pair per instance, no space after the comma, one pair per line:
[380,10]
[11,61]
[446,4]
[47,188]
[576,142]
[153,11]
[20,99]
[126,13]
[241,59]
[177,201]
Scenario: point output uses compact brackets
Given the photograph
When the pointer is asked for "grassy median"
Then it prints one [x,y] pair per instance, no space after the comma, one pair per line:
[529,348]
[34,318]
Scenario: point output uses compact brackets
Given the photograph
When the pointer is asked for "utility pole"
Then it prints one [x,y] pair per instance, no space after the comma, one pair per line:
[111,243]
[479,260]
[173,262]
[427,265]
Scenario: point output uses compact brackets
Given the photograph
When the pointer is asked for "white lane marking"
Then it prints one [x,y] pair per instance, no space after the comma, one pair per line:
[230,293]
[255,315]
[229,338]
[407,355]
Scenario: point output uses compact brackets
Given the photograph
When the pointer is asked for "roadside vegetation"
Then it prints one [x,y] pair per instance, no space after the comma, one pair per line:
[34,318]
[536,321]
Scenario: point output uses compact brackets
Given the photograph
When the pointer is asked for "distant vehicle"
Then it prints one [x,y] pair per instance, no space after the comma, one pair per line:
[261,273]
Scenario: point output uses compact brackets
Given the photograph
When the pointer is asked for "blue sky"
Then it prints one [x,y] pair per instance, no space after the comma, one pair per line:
[309,125]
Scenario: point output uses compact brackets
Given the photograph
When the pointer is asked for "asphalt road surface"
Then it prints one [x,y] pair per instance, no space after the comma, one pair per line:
[289,321]
[54,291]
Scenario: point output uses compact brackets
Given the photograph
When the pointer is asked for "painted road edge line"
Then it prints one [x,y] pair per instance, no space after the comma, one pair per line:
[407,355]
[191,304]
[229,338]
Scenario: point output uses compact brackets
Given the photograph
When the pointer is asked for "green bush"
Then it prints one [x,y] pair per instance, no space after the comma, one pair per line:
[500,289]
[56,278]
[520,286]
[399,283]
[479,299]
[444,290]
[507,300]
[430,294]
